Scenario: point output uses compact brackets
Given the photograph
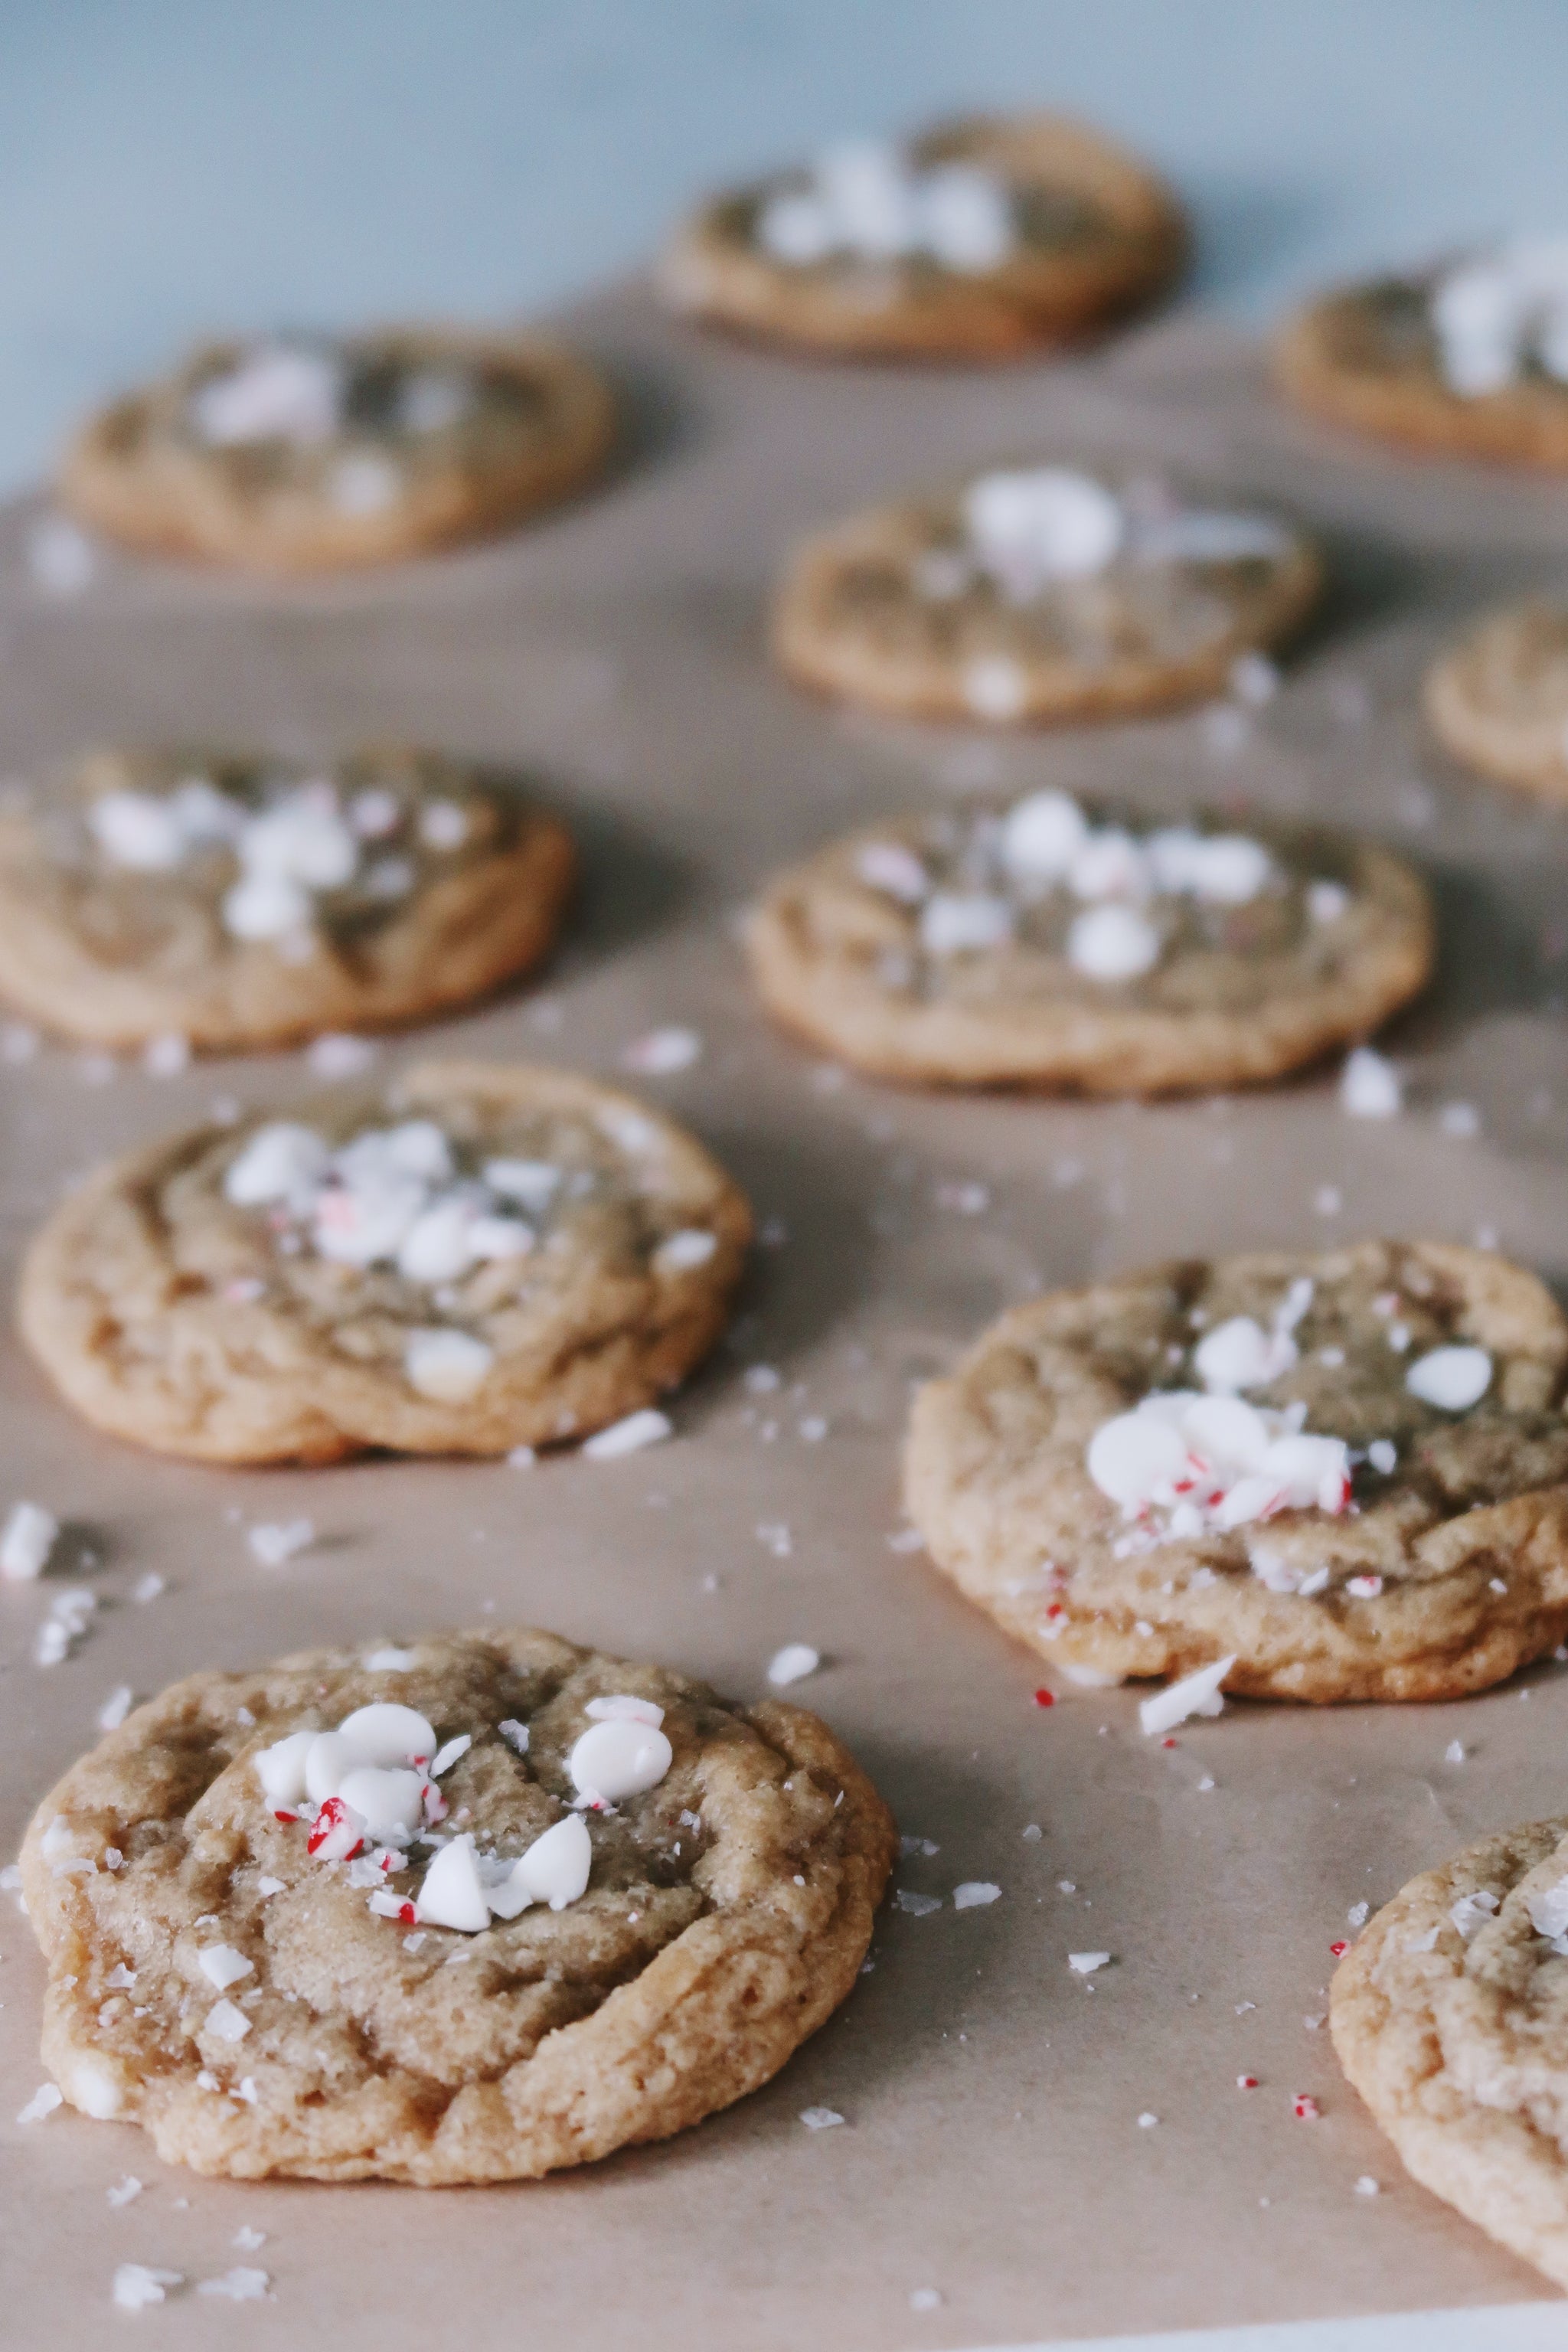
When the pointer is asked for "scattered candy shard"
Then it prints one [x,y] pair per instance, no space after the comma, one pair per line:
[1084,1964]
[792,1663]
[630,1435]
[1452,1379]
[972,1893]
[1199,1693]
[29,1538]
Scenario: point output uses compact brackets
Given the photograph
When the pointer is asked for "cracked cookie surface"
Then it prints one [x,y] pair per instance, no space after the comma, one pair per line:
[1322,1523]
[468,1259]
[726,1915]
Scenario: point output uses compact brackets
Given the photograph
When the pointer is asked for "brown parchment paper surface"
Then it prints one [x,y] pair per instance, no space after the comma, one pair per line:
[990,2147]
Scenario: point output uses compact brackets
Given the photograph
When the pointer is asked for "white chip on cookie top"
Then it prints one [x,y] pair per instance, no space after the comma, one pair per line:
[1497,315]
[866,200]
[1185,1464]
[301,843]
[276,390]
[1030,529]
[980,881]
[366,1792]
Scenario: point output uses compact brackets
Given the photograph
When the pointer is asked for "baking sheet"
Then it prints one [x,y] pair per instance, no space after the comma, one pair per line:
[991,2153]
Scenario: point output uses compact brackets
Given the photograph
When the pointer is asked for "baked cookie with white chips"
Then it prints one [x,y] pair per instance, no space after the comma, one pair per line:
[1327,1477]
[1498,698]
[1047,943]
[471,1910]
[985,239]
[470,1259]
[1447,2015]
[300,452]
[1027,596]
[238,900]
[1468,358]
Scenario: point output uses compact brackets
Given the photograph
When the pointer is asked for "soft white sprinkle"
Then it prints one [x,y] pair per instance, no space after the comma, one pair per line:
[29,1535]
[248,2241]
[230,2023]
[918,1905]
[44,2102]
[237,2286]
[116,1707]
[147,1588]
[61,559]
[446,1755]
[1327,901]
[925,2298]
[136,2285]
[123,2192]
[649,1427]
[1196,1693]
[994,688]
[387,1661]
[683,1252]
[445,1365]
[1366,2186]
[661,1052]
[792,1663]
[1254,679]
[340,1055]
[1452,1379]
[973,1893]
[1112,943]
[1454,1752]
[1328,1200]
[1084,1964]
[1356,1915]
[165,1057]
[273,1542]
[222,1966]
[1370,1086]
[1146,2122]
[820,2118]
[515,1734]
[1459,1119]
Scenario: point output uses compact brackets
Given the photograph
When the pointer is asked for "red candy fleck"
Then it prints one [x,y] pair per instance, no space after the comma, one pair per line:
[332,1817]
[1339,1949]
[1305,2108]
[281,1814]
[1246,2082]
[406,1914]
[1044,1698]
[1169,1742]
[1055,1608]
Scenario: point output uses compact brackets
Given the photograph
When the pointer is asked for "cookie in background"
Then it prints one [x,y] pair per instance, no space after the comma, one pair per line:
[1498,698]
[985,239]
[470,1259]
[1468,358]
[1324,1478]
[1049,943]
[1040,594]
[295,453]
[238,900]
[1447,2016]
[248,1912]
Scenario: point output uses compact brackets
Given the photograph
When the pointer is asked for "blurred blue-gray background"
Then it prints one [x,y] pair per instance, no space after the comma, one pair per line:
[173,166]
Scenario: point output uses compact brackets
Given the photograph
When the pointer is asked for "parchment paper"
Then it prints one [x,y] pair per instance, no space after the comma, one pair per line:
[991,2148]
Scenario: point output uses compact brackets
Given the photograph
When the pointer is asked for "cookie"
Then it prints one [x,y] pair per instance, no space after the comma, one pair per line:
[271,1944]
[1329,1477]
[1499,699]
[1045,944]
[1038,596]
[240,901]
[985,239]
[1447,2016]
[469,1259]
[298,454]
[1468,359]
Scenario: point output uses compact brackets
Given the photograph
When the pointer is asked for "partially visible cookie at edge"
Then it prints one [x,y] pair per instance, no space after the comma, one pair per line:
[1039,595]
[1051,943]
[297,452]
[1324,1478]
[1465,359]
[468,1259]
[1498,699]
[237,901]
[984,239]
[1448,2017]
[251,1896]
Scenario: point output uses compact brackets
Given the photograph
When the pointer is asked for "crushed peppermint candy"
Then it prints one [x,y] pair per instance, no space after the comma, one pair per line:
[1496,314]
[1084,1964]
[1549,1915]
[661,1052]
[1470,1913]
[71,1614]
[1183,1463]
[43,2103]
[1370,1086]
[371,1783]
[820,2118]
[1452,1379]
[116,1707]
[1199,1693]
[974,1893]
[241,2284]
